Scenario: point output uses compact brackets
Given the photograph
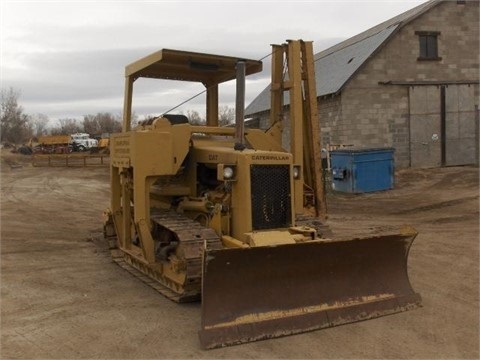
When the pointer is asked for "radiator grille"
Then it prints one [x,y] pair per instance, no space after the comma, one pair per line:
[271,204]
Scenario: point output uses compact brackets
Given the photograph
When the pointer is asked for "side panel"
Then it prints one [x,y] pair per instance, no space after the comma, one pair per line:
[374,171]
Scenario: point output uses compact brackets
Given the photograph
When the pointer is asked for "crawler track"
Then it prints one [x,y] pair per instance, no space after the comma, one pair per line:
[192,238]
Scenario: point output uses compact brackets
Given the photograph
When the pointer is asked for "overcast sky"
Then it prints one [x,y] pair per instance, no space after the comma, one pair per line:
[67,58]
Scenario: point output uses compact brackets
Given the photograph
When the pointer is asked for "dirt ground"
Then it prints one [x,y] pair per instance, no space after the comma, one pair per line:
[62,297]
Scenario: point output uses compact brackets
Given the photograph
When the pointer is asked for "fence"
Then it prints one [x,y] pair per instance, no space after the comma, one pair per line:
[70,160]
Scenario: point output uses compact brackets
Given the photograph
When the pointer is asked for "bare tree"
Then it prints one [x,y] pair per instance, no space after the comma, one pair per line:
[15,126]
[133,119]
[91,124]
[102,123]
[226,115]
[194,118]
[66,126]
[109,123]
[39,123]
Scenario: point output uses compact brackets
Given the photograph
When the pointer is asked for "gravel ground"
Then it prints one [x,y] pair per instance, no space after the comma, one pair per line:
[62,297]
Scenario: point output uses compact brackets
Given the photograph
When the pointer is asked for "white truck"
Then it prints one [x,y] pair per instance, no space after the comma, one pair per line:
[82,142]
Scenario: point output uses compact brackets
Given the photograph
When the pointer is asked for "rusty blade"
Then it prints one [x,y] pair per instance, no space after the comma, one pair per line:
[251,294]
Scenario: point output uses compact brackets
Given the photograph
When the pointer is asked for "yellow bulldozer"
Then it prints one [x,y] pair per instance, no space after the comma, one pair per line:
[219,213]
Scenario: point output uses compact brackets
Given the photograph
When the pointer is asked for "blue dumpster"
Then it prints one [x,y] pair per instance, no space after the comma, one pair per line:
[359,170]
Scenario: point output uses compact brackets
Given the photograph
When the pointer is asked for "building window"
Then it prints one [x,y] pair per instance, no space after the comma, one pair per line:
[428,45]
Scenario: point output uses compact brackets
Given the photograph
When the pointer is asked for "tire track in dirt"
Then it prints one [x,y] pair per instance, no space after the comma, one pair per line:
[436,206]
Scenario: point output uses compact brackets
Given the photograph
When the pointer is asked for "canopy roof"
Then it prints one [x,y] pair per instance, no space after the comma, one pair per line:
[189,66]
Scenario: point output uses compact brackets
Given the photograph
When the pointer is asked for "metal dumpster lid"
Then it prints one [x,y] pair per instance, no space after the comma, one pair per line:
[359,149]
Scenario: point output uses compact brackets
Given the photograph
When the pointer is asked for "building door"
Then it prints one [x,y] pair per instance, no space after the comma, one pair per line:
[443,127]
[460,125]
[425,129]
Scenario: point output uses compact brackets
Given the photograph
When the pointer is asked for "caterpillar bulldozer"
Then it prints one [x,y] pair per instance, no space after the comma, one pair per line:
[227,216]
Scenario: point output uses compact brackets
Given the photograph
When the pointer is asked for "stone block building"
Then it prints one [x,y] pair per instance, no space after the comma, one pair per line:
[411,83]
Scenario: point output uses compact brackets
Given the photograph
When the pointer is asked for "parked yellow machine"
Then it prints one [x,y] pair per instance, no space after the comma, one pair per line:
[219,212]
[52,144]
[104,145]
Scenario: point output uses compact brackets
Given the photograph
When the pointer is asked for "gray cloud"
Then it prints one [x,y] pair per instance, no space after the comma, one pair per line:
[67,59]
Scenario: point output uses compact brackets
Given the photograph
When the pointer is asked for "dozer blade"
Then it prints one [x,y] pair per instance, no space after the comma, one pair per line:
[251,294]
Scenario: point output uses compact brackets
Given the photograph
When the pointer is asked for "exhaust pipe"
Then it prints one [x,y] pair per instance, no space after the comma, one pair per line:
[240,107]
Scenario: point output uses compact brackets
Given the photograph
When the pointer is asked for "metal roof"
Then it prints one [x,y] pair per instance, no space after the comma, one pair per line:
[333,70]
[335,66]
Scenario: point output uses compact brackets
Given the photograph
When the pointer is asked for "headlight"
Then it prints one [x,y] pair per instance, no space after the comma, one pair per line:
[296,172]
[227,172]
